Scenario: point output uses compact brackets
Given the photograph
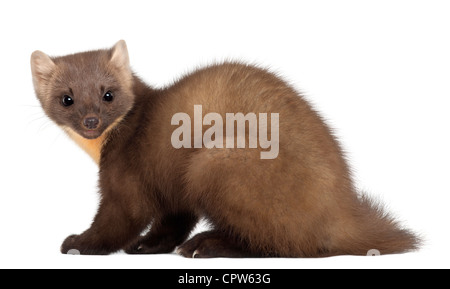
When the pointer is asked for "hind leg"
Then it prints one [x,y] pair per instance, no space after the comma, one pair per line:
[213,244]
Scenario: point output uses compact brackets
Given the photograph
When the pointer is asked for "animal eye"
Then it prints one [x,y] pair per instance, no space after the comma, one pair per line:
[108,97]
[67,100]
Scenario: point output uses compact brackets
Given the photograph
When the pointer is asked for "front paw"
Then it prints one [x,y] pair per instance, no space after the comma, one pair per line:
[151,245]
[142,248]
[81,245]
[71,245]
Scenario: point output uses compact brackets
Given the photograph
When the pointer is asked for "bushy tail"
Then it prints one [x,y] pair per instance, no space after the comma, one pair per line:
[374,229]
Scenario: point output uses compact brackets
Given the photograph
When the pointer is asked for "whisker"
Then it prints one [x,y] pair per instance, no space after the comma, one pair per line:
[41,117]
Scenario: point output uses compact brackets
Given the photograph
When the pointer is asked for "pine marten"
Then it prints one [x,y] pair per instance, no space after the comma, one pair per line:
[232,143]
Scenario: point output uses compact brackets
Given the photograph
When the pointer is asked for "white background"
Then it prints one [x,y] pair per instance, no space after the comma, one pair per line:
[378,71]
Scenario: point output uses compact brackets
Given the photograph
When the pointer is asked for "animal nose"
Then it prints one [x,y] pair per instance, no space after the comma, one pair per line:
[91,122]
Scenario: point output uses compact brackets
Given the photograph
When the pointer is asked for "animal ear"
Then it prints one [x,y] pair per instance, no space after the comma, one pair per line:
[41,67]
[119,55]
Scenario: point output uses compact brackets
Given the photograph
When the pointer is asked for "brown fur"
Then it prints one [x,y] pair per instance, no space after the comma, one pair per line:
[300,204]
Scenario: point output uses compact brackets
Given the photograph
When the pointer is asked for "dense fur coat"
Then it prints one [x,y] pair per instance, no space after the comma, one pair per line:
[300,204]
